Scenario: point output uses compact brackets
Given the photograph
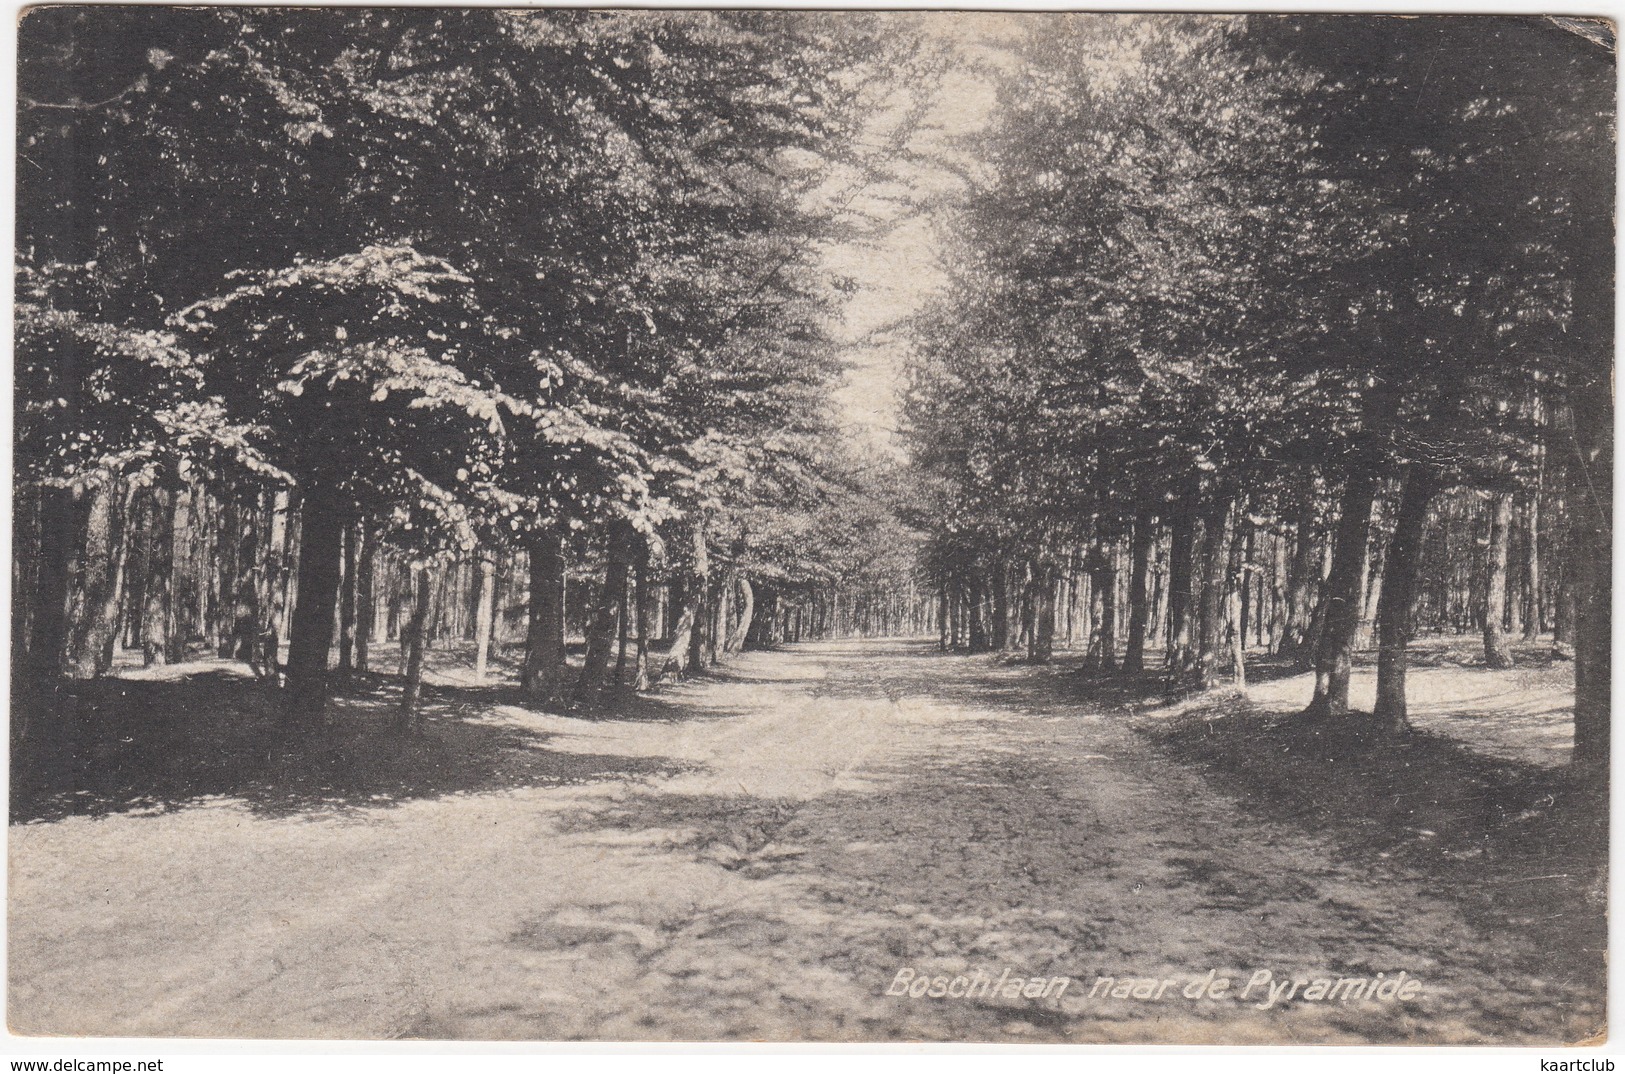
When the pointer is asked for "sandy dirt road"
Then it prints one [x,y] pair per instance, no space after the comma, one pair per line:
[758,857]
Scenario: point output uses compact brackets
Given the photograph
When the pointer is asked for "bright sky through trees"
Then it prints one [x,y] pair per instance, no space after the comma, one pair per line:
[897,271]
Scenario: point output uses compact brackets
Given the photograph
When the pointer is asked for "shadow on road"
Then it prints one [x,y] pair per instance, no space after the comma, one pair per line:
[124,746]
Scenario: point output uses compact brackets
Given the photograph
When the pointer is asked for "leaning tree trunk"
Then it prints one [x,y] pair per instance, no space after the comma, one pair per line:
[542,675]
[685,643]
[747,612]
[677,659]
[1497,654]
[1395,606]
[322,517]
[1145,535]
[1334,655]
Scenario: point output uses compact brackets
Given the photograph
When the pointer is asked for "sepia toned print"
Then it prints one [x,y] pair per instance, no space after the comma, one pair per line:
[811,526]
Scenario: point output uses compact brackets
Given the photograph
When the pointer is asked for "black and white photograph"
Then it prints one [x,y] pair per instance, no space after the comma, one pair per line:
[810,526]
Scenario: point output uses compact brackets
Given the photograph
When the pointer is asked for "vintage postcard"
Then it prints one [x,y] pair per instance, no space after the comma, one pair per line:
[780,525]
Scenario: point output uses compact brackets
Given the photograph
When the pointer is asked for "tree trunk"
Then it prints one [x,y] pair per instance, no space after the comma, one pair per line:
[1278,590]
[121,563]
[677,659]
[1235,610]
[484,614]
[1145,534]
[1241,581]
[1041,638]
[1303,579]
[717,622]
[347,601]
[1533,611]
[1105,581]
[1217,534]
[977,632]
[643,679]
[134,605]
[278,574]
[95,621]
[1591,561]
[760,634]
[412,641]
[1496,652]
[1309,649]
[1563,608]
[747,612]
[1395,623]
[685,646]
[542,676]
[223,616]
[1334,655]
[245,597]
[321,543]
[624,632]
[206,544]
[53,580]
[1183,528]
[604,626]
[1001,609]
[158,590]
[1156,612]
[366,614]
[704,609]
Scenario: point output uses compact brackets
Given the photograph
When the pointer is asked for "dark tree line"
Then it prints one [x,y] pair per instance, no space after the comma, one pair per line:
[1291,333]
[345,327]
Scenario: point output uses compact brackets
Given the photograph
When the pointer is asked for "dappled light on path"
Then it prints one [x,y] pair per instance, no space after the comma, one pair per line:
[759,862]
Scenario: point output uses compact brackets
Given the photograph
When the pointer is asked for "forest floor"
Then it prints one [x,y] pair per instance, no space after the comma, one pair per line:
[759,853]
